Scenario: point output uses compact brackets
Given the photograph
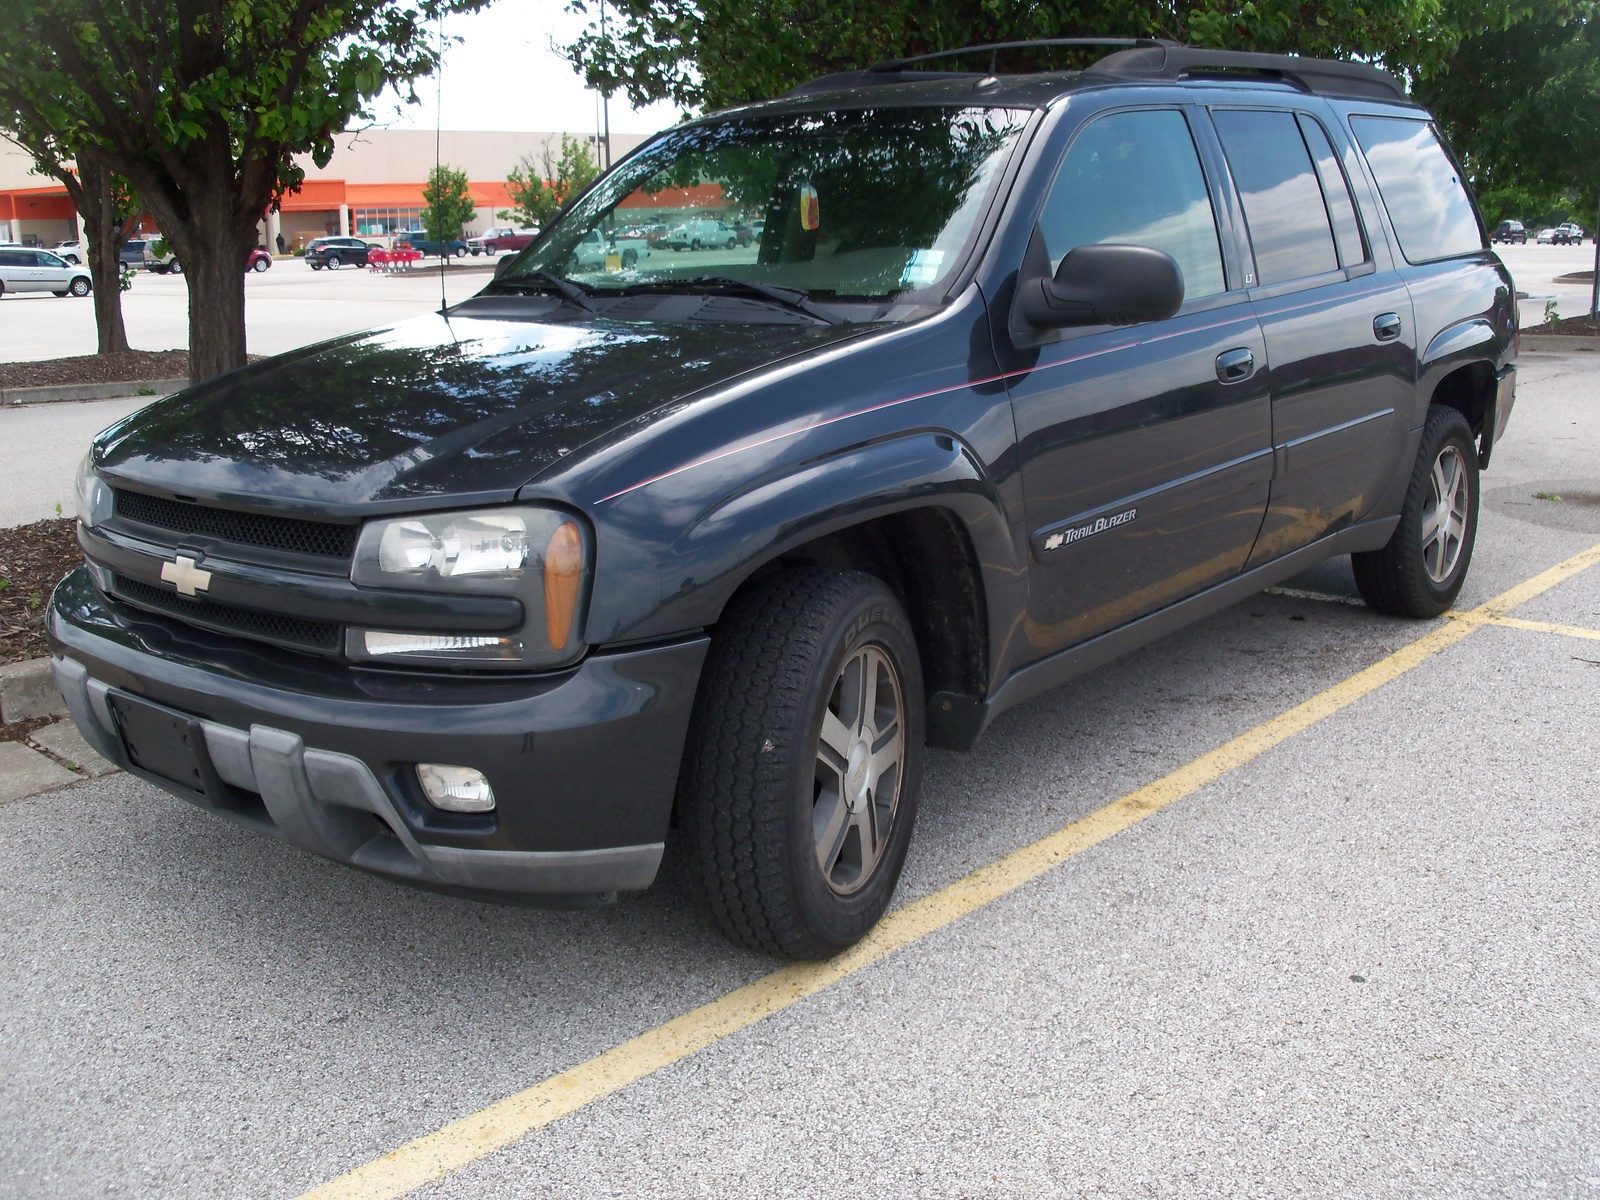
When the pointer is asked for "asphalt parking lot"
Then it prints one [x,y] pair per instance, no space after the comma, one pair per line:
[1301,901]
[292,305]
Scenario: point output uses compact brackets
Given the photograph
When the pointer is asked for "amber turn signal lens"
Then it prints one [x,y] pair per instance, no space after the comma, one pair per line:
[563,572]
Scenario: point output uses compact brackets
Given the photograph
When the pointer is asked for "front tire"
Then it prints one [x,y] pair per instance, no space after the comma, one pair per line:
[80,287]
[1420,572]
[799,786]
[261,264]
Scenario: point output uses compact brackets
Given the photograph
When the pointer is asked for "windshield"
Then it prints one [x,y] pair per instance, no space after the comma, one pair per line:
[858,204]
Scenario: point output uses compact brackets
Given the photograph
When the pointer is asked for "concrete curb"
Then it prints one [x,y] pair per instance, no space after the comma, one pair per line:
[26,772]
[1556,341]
[91,391]
[28,689]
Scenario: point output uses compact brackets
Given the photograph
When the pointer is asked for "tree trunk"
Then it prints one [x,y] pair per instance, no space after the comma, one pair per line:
[213,250]
[105,233]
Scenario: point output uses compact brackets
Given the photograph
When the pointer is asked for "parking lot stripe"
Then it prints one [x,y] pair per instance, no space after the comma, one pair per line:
[1573,631]
[506,1122]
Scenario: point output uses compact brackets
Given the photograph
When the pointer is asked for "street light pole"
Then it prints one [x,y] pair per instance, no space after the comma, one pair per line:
[605,94]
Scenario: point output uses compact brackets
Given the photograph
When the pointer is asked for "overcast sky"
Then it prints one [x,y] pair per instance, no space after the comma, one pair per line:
[502,74]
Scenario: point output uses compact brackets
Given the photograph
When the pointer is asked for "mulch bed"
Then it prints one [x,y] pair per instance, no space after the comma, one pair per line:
[1568,327]
[130,366]
[33,558]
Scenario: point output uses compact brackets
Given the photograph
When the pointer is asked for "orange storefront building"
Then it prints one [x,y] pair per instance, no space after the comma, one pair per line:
[372,187]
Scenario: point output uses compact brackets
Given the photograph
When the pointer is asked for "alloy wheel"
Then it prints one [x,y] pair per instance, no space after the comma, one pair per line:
[1445,524]
[861,753]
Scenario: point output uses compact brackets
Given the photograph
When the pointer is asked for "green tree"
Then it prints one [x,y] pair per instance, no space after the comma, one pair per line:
[448,204]
[540,188]
[201,105]
[715,53]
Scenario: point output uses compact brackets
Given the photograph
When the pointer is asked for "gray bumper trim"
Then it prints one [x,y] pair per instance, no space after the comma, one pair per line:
[325,802]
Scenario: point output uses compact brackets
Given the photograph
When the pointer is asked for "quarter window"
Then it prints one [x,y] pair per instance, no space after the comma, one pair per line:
[1336,191]
[1134,178]
[1283,207]
[1427,202]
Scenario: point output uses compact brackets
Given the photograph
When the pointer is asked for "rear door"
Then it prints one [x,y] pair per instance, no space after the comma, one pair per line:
[1341,338]
[1145,450]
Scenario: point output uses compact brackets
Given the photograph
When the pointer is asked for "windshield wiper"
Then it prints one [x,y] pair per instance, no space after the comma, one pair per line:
[566,288]
[790,298]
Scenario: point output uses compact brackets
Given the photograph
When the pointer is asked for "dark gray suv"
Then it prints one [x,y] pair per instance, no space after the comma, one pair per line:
[1021,373]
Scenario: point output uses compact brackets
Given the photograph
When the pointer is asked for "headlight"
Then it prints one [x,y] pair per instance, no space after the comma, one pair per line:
[94,497]
[538,555]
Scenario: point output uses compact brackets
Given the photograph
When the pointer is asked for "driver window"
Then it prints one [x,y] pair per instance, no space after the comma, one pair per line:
[1134,179]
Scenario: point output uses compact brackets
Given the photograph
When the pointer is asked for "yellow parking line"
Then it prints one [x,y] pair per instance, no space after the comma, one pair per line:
[1572,631]
[506,1122]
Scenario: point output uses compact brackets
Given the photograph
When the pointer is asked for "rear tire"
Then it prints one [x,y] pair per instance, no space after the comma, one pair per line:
[799,785]
[1420,572]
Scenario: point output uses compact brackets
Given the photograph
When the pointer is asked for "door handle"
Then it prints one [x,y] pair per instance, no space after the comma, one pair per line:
[1386,326]
[1235,366]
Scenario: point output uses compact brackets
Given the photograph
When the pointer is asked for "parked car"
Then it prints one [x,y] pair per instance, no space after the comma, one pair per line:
[259,260]
[336,252]
[420,242]
[1568,234]
[701,235]
[26,269]
[486,601]
[1546,237]
[72,251]
[598,249]
[1509,231]
[505,238]
[135,254]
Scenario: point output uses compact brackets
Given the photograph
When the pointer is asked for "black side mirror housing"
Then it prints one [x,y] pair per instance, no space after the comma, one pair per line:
[1103,285]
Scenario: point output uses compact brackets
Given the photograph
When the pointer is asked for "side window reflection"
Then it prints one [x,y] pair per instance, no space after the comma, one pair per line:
[1134,179]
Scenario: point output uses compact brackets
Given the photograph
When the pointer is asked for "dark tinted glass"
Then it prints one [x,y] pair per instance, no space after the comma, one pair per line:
[1282,199]
[1336,191]
[15,258]
[1429,206]
[1134,179]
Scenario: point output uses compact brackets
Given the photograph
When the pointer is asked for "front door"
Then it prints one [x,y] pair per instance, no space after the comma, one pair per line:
[1341,340]
[1146,451]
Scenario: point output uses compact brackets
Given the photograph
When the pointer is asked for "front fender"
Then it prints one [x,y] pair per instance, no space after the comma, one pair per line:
[729,541]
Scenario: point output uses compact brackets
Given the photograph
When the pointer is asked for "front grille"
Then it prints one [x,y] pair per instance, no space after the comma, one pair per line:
[321,637]
[321,538]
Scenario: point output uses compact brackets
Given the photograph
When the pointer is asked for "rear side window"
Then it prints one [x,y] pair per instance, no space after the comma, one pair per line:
[1134,179]
[15,258]
[1289,228]
[1336,191]
[1427,202]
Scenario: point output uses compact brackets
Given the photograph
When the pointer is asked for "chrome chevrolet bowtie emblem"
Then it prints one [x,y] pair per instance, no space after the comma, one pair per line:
[187,577]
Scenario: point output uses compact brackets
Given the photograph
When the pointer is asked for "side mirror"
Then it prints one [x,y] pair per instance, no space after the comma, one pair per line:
[504,265]
[1104,285]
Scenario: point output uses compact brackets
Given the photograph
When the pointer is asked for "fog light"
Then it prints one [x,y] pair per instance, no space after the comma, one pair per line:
[455,789]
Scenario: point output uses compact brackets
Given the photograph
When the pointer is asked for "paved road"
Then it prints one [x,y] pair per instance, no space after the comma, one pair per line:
[44,443]
[1362,964]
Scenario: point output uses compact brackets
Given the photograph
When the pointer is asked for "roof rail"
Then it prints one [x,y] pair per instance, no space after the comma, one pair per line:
[888,70]
[993,49]
[1322,76]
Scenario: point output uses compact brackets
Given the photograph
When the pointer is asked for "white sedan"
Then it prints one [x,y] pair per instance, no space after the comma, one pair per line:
[1546,236]
[24,269]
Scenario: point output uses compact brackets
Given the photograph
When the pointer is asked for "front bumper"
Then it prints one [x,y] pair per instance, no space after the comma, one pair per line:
[323,755]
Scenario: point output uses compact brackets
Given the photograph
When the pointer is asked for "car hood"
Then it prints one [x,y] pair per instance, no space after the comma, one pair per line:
[469,407]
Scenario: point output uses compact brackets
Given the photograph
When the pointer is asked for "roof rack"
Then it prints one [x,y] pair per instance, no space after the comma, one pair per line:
[1149,59]
[889,70]
[1322,76]
[993,49]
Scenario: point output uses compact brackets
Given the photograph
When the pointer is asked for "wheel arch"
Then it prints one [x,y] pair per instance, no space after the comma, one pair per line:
[917,511]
